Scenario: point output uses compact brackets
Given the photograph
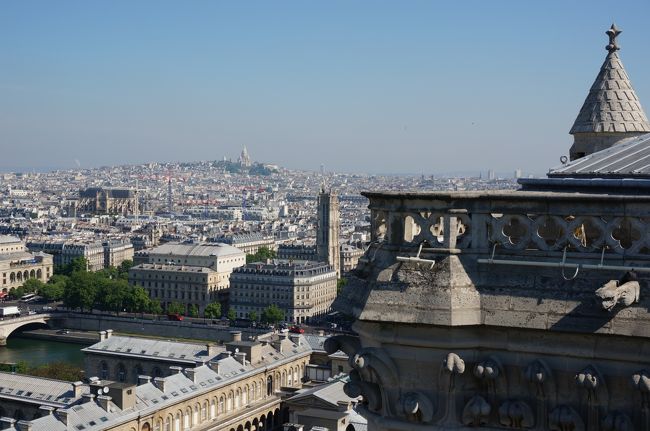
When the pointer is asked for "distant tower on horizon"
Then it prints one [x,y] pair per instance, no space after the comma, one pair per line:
[244,158]
[329,225]
[611,113]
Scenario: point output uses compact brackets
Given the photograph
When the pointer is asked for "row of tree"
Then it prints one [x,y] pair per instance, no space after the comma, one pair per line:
[109,290]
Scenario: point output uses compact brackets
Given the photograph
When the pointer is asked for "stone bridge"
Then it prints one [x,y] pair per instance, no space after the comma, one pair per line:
[9,325]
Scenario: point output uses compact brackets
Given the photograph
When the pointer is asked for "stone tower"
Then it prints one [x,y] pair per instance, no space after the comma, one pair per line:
[327,240]
[611,113]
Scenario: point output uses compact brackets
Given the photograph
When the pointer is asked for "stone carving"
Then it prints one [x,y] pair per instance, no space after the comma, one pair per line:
[476,411]
[593,384]
[492,376]
[452,367]
[516,414]
[417,407]
[564,418]
[624,292]
[641,382]
[376,370]
[370,392]
[617,421]
[543,387]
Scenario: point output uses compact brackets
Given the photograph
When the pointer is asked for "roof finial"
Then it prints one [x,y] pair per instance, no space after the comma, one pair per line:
[613,32]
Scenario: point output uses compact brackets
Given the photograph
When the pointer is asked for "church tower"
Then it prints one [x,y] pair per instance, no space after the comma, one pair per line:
[611,113]
[327,240]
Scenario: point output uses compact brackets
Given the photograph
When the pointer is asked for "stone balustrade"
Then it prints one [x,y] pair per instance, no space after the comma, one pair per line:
[513,222]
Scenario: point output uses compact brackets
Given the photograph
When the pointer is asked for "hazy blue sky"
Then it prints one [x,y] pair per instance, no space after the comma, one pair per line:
[372,86]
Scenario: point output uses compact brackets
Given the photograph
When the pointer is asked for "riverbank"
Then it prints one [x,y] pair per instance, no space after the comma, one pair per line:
[76,337]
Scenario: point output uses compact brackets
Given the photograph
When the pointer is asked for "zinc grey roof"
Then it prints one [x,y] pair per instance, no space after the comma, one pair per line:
[212,249]
[89,416]
[37,389]
[331,392]
[611,105]
[627,160]
[147,347]
[8,239]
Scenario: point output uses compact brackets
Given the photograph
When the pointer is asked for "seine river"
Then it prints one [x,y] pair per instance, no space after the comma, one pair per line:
[39,352]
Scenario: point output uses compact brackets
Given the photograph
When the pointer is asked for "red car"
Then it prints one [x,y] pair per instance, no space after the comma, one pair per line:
[175,316]
[297,330]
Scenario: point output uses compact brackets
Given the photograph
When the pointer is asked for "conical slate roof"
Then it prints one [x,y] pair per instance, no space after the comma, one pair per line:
[612,104]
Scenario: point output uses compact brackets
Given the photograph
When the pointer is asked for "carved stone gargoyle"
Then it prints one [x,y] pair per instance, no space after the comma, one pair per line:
[624,291]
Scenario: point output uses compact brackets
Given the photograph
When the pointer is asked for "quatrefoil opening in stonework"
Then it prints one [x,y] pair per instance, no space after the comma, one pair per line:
[628,233]
[551,231]
[516,229]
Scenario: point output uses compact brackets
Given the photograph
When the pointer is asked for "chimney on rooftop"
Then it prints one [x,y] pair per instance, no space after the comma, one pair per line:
[236,335]
[159,382]
[295,339]
[7,423]
[212,350]
[190,373]
[104,402]
[143,380]
[46,410]
[102,335]
[77,388]
[25,425]
[62,414]
[176,369]
[241,357]
[109,332]
[88,398]
[214,366]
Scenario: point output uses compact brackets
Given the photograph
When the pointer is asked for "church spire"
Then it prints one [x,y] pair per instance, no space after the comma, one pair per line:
[611,113]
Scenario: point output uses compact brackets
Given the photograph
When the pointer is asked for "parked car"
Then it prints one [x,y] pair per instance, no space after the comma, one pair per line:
[175,316]
[297,330]
[63,331]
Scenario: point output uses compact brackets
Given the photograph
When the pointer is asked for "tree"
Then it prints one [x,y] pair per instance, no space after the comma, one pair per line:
[176,308]
[263,253]
[272,314]
[213,310]
[231,315]
[123,269]
[81,291]
[76,265]
[16,292]
[193,310]
[155,307]
[137,300]
[253,316]
[340,283]
[33,285]
[53,291]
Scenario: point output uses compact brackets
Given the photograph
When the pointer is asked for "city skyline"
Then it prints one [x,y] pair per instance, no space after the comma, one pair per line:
[344,85]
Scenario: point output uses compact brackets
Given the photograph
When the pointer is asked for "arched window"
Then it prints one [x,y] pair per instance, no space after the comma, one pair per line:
[168,423]
[238,398]
[269,385]
[177,422]
[204,411]
[213,408]
[146,427]
[195,416]
[229,402]
[186,419]
[222,405]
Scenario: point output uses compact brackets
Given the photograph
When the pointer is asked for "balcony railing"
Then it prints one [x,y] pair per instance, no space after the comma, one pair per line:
[557,225]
